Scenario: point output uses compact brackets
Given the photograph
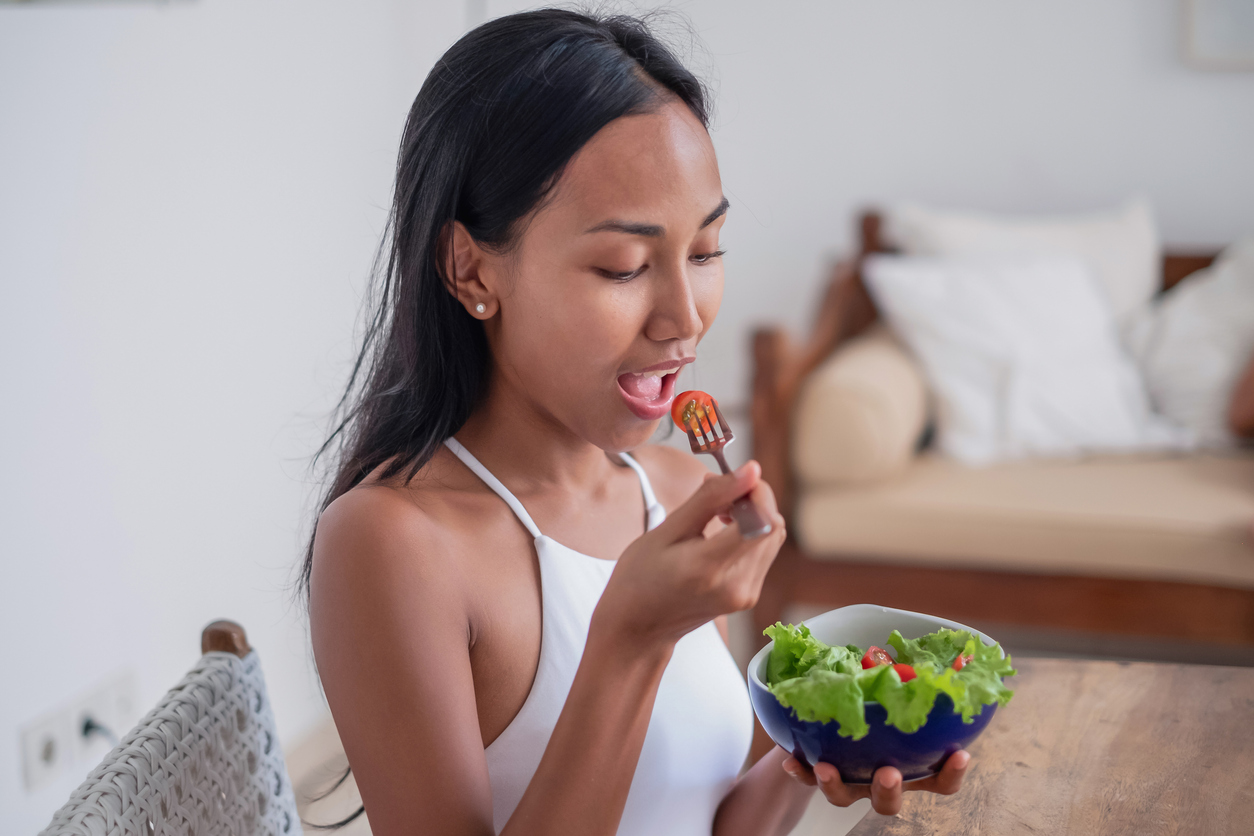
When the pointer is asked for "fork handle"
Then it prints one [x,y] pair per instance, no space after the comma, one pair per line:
[747,516]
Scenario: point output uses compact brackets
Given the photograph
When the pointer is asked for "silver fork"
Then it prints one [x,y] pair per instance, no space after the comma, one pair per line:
[710,434]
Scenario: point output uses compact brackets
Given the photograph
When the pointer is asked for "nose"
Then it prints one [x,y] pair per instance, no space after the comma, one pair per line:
[675,315]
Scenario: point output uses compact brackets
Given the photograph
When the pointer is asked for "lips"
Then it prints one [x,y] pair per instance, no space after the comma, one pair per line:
[649,394]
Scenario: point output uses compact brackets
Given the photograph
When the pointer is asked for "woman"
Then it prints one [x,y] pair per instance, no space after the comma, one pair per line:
[517,623]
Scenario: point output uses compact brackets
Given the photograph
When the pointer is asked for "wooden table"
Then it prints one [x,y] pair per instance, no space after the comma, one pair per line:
[1103,748]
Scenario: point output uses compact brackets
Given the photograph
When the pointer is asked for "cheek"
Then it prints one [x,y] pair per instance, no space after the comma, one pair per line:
[564,333]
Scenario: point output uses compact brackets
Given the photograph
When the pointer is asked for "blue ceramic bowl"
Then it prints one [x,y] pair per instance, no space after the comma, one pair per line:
[917,754]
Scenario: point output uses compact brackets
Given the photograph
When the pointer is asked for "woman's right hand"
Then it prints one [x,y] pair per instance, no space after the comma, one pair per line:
[673,578]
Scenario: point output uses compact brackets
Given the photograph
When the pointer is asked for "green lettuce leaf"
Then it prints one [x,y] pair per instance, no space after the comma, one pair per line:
[938,649]
[982,676]
[907,703]
[796,652]
[826,684]
[824,696]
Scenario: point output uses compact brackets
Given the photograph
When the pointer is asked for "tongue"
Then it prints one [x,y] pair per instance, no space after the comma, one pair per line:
[641,386]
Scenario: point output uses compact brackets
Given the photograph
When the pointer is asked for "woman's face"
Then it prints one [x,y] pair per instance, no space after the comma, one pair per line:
[614,280]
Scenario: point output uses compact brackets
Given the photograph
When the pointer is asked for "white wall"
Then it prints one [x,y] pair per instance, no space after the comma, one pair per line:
[827,106]
[190,194]
[190,197]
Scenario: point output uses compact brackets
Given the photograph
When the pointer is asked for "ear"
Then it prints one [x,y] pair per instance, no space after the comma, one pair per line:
[464,262]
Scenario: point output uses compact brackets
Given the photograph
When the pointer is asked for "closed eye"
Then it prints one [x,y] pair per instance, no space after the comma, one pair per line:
[621,277]
[700,258]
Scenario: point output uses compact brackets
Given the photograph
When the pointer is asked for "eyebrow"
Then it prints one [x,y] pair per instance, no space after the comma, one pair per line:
[653,230]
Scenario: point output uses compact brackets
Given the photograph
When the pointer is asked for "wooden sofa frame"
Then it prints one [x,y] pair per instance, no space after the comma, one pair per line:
[1097,604]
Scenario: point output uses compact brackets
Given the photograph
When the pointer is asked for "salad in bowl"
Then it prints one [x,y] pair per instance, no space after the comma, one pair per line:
[866,686]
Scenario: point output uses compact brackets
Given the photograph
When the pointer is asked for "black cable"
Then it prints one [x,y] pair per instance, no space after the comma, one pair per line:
[91,726]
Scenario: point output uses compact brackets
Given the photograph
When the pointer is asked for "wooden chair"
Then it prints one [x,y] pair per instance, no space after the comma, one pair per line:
[206,761]
[1098,604]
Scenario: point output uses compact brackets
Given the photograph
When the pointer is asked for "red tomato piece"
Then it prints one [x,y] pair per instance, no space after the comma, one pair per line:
[683,401]
[874,657]
[906,672]
[961,661]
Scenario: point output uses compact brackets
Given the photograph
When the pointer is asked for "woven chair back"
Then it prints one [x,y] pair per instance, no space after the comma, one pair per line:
[204,762]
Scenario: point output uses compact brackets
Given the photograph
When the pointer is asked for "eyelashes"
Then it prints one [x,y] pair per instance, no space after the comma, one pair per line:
[705,258]
[620,277]
[700,259]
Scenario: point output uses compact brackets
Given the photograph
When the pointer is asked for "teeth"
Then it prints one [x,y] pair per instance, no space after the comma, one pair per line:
[661,373]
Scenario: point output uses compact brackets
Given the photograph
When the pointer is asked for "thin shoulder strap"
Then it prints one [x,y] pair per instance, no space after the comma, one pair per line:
[492,482]
[654,508]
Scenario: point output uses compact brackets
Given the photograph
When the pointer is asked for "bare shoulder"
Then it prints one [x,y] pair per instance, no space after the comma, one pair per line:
[388,605]
[379,519]
[416,517]
[383,544]
[674,474]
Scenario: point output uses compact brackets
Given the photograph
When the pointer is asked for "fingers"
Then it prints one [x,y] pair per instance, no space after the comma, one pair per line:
[724,514]
[763,496]
[798,772]
[949,780]
[886,787]
[886,791]
[763,499]
[738,566]
[715,494]
[834,789]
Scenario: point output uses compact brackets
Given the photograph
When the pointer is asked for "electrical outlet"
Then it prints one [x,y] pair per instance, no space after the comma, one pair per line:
[47,748]
[64,739]
[103,717]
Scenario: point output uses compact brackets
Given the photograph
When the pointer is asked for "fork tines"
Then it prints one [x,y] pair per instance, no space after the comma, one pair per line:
[706,431]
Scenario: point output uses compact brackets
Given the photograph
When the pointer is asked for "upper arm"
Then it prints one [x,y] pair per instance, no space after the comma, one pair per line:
[390,632]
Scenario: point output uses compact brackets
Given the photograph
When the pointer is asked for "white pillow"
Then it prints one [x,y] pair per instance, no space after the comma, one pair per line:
[1022,355]
[1194,343]
[1121,246]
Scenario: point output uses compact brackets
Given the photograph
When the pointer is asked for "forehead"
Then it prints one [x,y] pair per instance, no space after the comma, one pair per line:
[654,167]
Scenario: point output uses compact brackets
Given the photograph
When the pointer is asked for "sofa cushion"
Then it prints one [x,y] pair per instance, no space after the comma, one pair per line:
[1021,353]
[1194,342]
[1120,246]
[859,415]
[1185,518]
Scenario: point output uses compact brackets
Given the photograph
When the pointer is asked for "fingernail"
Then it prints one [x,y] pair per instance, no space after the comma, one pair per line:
[790,769]
[889,782]
[741,471]
[961,759]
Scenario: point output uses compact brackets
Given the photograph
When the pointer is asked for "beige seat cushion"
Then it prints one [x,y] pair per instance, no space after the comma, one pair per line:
[1185,518]
[859,414]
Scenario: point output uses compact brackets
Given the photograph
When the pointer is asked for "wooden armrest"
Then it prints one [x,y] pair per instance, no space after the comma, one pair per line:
[774,361]
[226,637]
[780,367]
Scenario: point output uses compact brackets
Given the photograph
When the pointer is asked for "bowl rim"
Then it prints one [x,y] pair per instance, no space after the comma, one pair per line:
[758,662]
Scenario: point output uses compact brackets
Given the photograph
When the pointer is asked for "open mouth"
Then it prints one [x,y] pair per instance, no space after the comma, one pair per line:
[649,394]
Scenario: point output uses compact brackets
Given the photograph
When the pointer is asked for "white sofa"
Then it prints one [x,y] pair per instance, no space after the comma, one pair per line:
[1155,545]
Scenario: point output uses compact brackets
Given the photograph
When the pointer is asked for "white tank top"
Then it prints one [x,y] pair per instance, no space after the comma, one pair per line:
[702,721]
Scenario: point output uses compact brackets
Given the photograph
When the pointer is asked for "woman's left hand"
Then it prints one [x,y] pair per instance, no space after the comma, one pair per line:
[886,785]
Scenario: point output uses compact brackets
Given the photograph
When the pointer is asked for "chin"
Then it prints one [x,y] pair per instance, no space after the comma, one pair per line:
[623,432]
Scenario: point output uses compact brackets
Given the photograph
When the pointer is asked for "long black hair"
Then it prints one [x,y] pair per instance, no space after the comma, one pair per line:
[489,134]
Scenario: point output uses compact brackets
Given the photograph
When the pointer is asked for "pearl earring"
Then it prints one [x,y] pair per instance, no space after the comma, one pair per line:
[481,307]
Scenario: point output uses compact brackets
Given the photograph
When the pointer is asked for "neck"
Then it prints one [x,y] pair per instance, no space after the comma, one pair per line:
[527,446]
